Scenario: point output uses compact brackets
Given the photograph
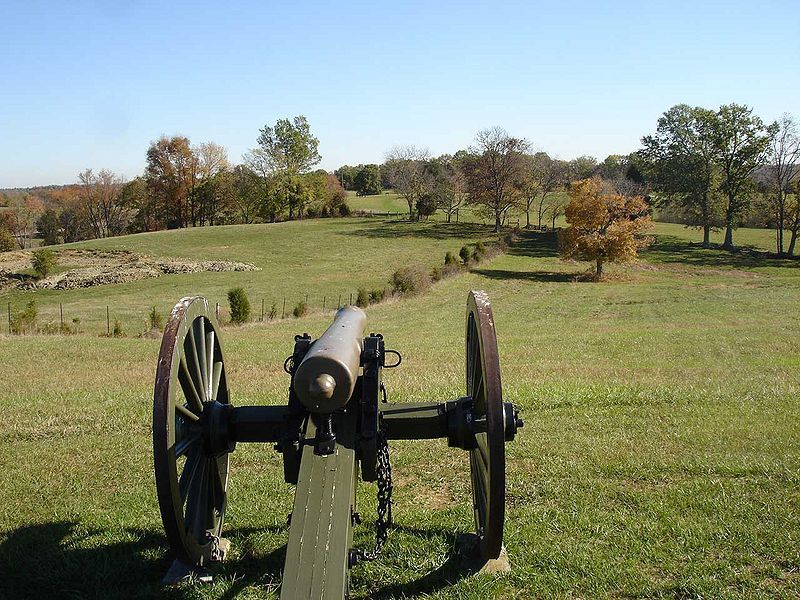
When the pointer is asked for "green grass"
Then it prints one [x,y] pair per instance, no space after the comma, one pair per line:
[322,259]
[660,455]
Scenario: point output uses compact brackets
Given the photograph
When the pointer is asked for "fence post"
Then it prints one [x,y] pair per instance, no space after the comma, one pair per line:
[262,310]
[351,298]
[323,304]
[216,311]
[61,314]
[9,318]
[108,321]
[339,304]
[283,312]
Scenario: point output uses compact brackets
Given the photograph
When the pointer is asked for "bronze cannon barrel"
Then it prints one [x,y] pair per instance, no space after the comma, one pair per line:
[327,375]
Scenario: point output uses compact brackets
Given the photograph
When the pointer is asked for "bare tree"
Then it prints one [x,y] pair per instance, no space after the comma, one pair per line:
[404,169]
[783,166]
[543,177]
[495,172]
[100,197]
[21,218]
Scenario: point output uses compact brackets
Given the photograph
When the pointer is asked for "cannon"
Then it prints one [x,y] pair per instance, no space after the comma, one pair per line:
[335,427]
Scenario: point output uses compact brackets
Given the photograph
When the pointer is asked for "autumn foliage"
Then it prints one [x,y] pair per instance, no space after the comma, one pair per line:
[604,226]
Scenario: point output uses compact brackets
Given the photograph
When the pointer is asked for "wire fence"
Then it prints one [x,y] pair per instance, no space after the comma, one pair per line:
[31,318]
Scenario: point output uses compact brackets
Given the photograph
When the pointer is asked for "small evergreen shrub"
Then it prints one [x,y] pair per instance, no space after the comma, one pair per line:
[410,280]
[300,310]
[436,274]
[450,259]
[273,312]
[6,241]
[477,255]
[117,330]
[377,295]
[480,247]
[155,320]
[362,298]
[465,254]
[24,321]
[239,306]
[43,262]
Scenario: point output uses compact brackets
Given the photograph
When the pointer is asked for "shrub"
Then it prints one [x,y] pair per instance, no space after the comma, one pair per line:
[436,273]
[300,310]
[410,280]
[377,295]
[239,306]
[344,210]
[480,247]
[43,262]
[273,312]
[24,321]
[450,259]
[477,255]
[362,298]
[6,241]
[464,253]
[155,320]
[117,330]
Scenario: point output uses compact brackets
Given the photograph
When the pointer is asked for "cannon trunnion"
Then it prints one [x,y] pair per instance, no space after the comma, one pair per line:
[336,424]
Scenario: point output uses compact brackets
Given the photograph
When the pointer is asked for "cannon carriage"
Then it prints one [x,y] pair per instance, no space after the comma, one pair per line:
[335,428]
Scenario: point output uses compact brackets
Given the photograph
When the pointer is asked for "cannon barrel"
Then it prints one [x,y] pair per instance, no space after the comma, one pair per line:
[326,377]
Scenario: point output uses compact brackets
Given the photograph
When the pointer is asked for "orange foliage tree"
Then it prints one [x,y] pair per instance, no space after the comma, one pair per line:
[603,226]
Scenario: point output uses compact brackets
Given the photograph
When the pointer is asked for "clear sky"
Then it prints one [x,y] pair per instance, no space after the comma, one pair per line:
[90,84]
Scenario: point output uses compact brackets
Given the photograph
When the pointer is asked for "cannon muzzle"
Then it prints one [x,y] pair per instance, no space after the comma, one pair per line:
[326,377]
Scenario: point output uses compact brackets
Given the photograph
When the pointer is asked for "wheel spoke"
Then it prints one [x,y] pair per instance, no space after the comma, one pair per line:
[201,514]
[209,363]
[192,357]
[195,497]
[216,376]
[183,446]
[188,474]
[200,338]
[186,412]
[187,385]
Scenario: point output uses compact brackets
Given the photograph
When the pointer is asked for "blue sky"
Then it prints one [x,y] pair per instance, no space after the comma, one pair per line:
[90,84]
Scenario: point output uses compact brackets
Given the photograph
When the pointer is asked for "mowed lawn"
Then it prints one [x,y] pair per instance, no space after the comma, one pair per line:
[660,455]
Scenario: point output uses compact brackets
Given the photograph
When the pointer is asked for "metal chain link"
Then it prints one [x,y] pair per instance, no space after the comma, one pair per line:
[384,519]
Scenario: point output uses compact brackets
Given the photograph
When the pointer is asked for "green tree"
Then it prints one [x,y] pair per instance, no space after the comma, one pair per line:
[367,181]
[680,160]
[49,227]
[239,306]
[43,262]
[289,149]
[741,141]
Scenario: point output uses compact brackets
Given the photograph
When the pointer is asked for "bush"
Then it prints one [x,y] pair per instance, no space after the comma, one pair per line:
[436,274]
[6,241]
[300,310]
[24,321]
[239,306]
[480,247]
[377,295]
[450,259]
[273,312]
[344,210]
[477,255]
[362,298]
[410,280]
[155,320]
[117,330]
[465,254]
[43,262]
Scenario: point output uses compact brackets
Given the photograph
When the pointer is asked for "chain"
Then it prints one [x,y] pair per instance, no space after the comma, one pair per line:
[384,519]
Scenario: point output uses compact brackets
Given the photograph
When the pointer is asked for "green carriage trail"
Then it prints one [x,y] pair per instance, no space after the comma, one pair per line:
[660,455]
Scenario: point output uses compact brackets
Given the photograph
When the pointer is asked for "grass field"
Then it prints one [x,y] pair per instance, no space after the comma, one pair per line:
[660,455]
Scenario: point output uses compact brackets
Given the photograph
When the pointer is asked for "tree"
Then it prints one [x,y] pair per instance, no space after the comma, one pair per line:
[287,150]
[740,141]
[169,174]
[208,189]
[43,262]
[134,198]
[49,227]
[793,215]
[99,195]
[603,226]
[543,176]
[783,166]
[367,181]
[405,172]
[246,197]
[582,167]
[347,176]
[495,172]
[681,161]
[22,216]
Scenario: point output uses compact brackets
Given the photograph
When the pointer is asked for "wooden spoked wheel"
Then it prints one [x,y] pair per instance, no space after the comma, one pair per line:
[487,460]
[191,473]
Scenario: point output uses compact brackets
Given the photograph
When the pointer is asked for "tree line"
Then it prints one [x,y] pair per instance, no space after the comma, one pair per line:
[714,169]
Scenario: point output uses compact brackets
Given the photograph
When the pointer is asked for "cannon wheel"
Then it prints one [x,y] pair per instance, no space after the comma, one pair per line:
[191,482]
[487,460]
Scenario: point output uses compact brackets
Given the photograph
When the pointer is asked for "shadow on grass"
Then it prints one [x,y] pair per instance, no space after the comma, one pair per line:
[671,249]
[453,569]
[383,228]
[53,560]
